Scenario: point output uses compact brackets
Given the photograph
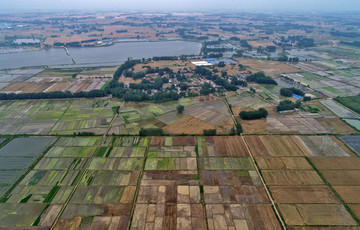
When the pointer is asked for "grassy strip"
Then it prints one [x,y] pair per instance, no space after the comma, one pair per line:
[24,200]
[51,194]
[37,221]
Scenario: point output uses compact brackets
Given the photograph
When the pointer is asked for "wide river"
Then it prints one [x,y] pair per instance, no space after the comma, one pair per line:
[98,56]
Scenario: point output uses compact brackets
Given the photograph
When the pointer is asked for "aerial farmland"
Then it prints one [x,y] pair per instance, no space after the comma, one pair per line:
[202,120]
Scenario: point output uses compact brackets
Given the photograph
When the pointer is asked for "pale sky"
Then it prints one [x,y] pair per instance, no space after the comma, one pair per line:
[183,5]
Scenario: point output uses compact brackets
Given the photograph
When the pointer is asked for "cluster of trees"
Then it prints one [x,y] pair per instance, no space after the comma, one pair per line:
[253,115]
[297,40]
[180,108]
[260,78]
[53,95]
[209,132]
[307,98]
[84,134]
[206,89]
[288,105]
[288,92]
[151,132]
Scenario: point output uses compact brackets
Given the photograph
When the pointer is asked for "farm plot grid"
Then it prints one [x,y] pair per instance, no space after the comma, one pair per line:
[141,183]
[303,196]
[185,182]
[87,115]
[17,155]
[30,117]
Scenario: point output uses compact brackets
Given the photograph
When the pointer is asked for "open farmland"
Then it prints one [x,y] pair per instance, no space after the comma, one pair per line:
[353,142]
[30,117]
[200,113]
[270,68]
[300,192]
[17,155]
[339,110]
[89,115]
[327,146]
[94,182]
[181,182]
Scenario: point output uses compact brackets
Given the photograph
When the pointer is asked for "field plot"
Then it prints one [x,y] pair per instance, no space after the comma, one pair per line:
[294,125]
[342,177]
[274,145]
[200,113]
[351,102]
[326,146]
[241,216]
[303,194]
[283,163]
[270,68]
[350,194]
[354,123]
[18,155]
[89,115]
[330,88]
[316,214]
[30,117]
[291,177]
[17,75]
[50,80]
[339,110]
[353,142]
[169,200]
[246,100]
[221,147]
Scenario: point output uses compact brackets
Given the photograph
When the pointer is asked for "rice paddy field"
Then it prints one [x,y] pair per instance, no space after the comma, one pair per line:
[179,182]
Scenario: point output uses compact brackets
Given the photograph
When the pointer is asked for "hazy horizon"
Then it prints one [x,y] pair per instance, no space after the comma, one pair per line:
[184,5]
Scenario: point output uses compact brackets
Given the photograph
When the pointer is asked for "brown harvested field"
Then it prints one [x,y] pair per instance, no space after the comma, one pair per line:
[27,87]
[60,86]
[227,146]
[291,177]
[184,141]
[241,216]
[336,124]
[270,68]
[273,146]
[336,162]
[302,194]
[282,163]
[230,178]
[356,209]
[316,214]
[254,126]
[235,195]
[342,177]
[157,141]
[190,125]
[350,194]
[256,146]
[75,214]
